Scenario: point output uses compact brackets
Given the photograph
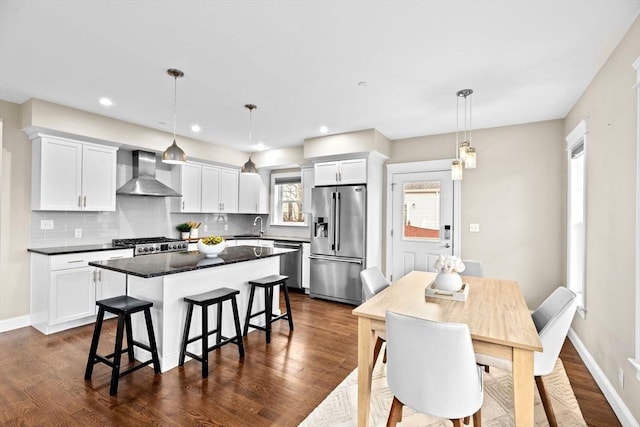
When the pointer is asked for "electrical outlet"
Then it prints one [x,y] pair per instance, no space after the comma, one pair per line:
[226,227]
[474,228]
[206,227]
[621,377]
[46,224]
[78,233]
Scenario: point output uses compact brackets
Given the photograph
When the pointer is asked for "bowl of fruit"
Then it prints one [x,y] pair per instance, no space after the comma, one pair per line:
[211,246]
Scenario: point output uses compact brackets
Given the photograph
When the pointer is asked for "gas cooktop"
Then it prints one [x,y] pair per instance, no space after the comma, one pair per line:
[151,245]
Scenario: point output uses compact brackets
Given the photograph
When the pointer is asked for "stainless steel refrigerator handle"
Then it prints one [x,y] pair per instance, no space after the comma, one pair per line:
[336,259]
[338,231]
[332,223]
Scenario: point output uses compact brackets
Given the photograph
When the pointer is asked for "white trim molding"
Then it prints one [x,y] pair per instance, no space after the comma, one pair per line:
[636,362]
[576,137]
[15,323]
[621,410]
[423,166]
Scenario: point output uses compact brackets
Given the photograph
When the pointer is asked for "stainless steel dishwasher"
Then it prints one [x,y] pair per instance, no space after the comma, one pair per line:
[291,263]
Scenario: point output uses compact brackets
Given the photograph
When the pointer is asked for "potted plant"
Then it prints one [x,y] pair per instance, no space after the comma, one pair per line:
[185,229]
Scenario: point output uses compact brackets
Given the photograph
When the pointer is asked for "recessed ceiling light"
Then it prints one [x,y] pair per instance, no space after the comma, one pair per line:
[324,129]
[195,128]
[259,147]
[106,102]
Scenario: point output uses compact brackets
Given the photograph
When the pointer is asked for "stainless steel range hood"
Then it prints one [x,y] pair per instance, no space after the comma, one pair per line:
[144,182]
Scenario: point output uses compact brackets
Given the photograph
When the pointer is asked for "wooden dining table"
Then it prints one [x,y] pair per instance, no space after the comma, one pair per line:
[495,311]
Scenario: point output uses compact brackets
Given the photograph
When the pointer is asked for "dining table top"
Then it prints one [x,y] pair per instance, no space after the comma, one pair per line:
[495,310]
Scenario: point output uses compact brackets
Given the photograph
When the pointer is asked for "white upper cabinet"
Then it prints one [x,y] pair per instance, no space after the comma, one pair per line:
[253,194]
[70,175]
[341,172]
[307,185]
[207,188]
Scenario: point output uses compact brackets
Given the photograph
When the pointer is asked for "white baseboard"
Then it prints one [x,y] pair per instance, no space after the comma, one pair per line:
[15,323]
[622,411]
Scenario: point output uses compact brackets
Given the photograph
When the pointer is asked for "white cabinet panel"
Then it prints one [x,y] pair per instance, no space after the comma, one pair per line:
[229,191]
[307,185]
[326,173]
[353,171]
[210,189]
[70,175]
[341,172]
[207,188]
[253,194]
[72,294]
[64,288]
[191,187]
[306,265]
[98,178]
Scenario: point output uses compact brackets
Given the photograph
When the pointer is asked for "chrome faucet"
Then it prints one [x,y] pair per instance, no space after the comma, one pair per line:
[255,222]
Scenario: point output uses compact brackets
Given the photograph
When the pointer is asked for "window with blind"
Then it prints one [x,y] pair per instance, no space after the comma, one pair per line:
[576,208]
[286,190]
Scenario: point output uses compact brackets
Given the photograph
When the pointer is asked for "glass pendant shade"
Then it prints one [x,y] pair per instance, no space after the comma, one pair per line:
[456,170]
[249,167]
[464,147]
[174,155]
[470,160]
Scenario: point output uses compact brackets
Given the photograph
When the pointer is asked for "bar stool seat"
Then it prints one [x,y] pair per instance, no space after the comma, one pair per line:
[123,306]
[268,283]
[217,296]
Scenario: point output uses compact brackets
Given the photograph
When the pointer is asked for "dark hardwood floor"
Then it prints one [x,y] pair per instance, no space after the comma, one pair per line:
[41,378]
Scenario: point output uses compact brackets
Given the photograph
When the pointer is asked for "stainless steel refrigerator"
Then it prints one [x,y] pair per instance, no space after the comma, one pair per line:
[338,238]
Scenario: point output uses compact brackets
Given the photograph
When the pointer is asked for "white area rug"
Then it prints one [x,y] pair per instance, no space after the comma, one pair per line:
[340,407]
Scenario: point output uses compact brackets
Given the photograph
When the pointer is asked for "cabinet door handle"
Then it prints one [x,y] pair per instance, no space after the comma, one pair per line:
[79,201]
[85,201]
[93,275]
[99,275]
[75,261]
[116,257]
[183,205]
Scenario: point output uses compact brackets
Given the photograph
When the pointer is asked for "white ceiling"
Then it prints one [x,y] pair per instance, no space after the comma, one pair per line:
[300,61]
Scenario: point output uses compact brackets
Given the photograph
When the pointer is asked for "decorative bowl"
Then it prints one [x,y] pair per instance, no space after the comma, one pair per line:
[211,251]
[448,281]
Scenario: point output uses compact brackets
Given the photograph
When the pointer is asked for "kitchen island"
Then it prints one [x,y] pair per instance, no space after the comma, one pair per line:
[166,278]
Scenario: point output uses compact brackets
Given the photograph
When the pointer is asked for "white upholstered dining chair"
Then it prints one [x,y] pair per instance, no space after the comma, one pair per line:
[431,367]
[374,282]
[552,320]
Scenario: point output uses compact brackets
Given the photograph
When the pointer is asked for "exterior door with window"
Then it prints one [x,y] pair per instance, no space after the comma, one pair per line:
[422,220]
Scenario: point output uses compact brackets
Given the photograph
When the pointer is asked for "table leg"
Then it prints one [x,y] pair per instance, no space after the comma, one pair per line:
[523,387]
[365,369]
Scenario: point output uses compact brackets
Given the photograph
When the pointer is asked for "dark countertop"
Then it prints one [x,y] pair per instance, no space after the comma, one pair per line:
[257,237]
[162,264]
[63,250]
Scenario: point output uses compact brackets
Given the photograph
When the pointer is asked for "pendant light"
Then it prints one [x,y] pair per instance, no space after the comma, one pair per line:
[249,167]
[465,153]
[174,154]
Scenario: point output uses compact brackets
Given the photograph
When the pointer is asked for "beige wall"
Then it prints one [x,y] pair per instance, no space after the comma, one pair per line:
[15,208]
[515,195]
[56,117]
[363,141]
[609,103]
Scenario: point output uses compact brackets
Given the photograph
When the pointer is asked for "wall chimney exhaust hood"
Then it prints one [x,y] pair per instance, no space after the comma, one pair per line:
[144,182]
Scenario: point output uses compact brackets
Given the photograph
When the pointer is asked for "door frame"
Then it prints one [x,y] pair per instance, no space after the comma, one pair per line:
[413,167]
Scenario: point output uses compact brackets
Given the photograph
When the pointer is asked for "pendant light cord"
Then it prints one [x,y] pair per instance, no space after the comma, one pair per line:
[175,102]
[457,127]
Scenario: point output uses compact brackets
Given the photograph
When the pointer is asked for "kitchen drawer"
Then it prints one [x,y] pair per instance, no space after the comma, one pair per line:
[82,259]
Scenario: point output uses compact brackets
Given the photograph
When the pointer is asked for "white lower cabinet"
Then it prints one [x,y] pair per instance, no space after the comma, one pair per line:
[73,295]
[64,288]
[306,266]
